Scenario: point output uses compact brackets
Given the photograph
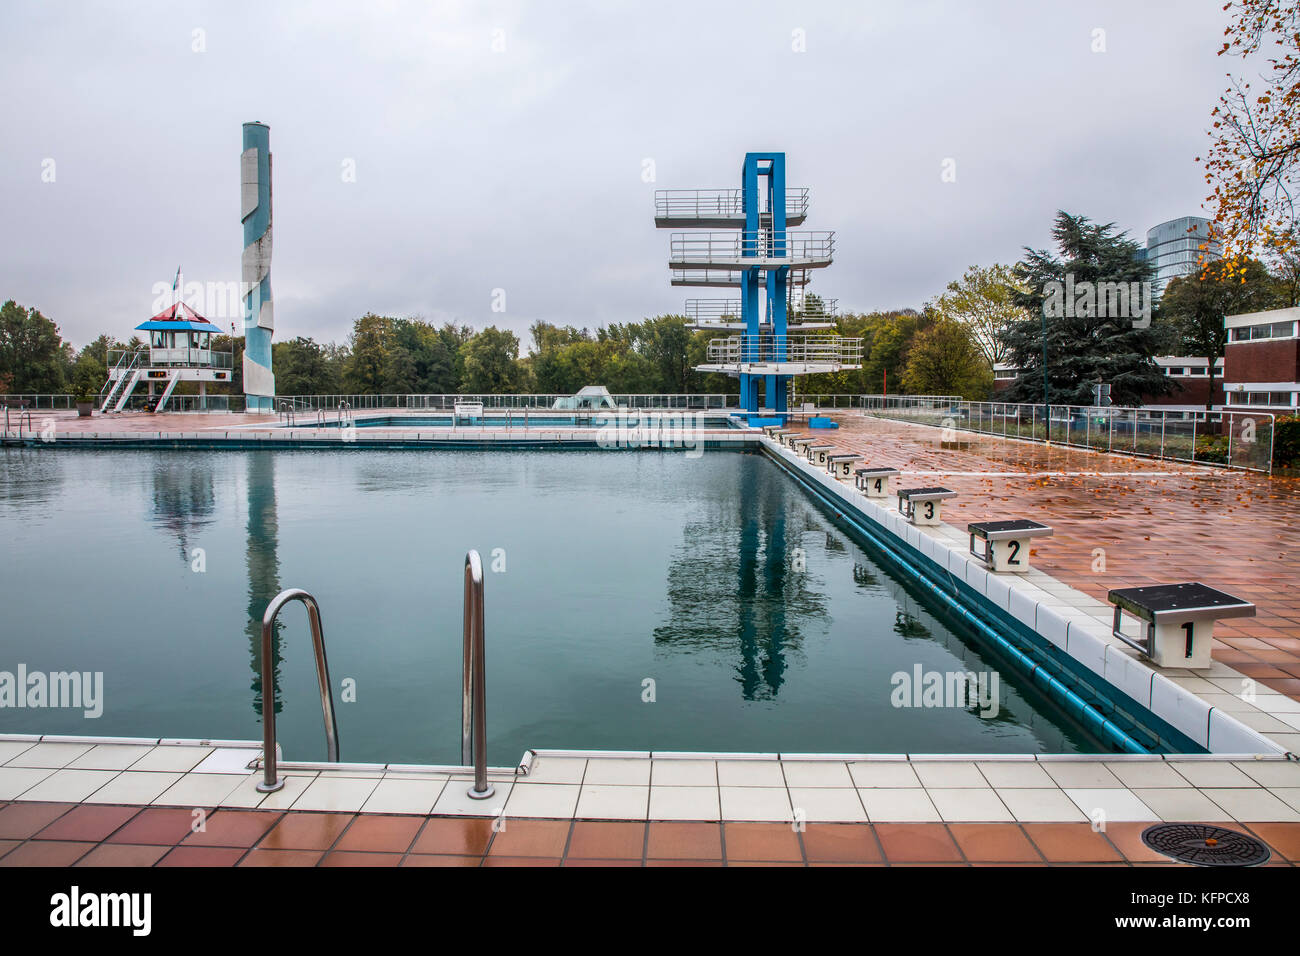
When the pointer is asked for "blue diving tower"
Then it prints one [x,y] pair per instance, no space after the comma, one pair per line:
[771,267]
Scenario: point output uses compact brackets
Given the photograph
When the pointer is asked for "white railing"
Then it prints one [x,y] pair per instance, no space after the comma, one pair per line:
[1235,439]
[814,309]
[702,249]
[32,400]
[203,358]
[807,349]
[713,310]
[871,402]
[720,203]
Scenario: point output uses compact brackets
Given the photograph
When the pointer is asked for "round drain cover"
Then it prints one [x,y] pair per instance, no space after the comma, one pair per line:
[1205,845]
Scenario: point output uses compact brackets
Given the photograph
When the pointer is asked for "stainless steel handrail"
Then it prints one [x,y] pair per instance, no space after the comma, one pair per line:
[270,781]
[473,706]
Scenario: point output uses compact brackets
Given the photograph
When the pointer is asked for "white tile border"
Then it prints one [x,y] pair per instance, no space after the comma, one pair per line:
[753,787]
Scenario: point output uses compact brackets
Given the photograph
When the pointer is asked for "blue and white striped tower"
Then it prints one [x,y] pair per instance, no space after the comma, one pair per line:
[259,315]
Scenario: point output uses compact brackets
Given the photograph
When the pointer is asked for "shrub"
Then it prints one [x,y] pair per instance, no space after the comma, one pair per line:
[1286,442]
[1212,448]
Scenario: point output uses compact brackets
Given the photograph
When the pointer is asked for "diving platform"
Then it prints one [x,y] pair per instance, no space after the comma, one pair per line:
[725,315]
[750,250]
[726,278]
[718,208]
[783,355]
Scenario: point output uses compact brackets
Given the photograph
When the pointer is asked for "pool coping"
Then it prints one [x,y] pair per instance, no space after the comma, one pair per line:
[670,786]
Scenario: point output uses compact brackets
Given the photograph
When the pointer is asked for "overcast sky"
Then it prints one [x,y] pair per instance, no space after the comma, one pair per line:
[503,145]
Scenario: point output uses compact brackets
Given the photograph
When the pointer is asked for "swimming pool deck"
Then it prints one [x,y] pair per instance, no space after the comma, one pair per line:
[95,801]
[88,802]
[1158,522]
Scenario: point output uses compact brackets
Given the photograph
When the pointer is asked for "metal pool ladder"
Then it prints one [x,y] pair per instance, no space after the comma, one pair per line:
[270,780]
[473,705]
[473,710]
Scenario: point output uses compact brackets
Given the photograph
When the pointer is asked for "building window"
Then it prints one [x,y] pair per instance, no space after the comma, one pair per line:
[1269,330]
[1265,399]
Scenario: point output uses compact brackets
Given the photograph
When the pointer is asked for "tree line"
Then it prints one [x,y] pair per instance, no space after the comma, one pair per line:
[408,355]
[949,345]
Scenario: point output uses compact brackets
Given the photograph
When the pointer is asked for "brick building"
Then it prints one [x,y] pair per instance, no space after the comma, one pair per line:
[1262,361]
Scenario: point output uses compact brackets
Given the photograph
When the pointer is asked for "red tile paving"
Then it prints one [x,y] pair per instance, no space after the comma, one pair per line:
[150,837]
[202,856]
[434,859]
[454,836]
[761,841]
[1284,838]
[840,843]
[46,853]
[993,843]
[123,854]
[89,822]
[233,828]
[1158,522]
[917,843]
[531,838]
[306,831]
[339,858]
[18,821]
[684,841]
[158,825]
[377,833]
[607,841]
[1072,843]
[264,857]
[144,422]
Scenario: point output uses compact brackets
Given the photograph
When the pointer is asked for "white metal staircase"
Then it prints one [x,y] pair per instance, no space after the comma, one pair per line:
[167,392]
[122,380]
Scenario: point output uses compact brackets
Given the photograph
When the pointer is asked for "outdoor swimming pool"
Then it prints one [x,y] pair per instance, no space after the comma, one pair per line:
[762,625]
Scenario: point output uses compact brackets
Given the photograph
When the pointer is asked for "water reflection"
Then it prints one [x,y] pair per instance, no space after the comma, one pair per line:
[29,475]
[757,544]
[183,499]
[263,561]
[907,626]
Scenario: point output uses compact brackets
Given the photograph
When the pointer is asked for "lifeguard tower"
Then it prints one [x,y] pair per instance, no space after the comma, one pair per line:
[179,350]
[767,264]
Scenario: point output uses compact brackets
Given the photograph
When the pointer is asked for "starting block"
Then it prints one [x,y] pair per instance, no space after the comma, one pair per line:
[1006,543]
[1179,620]
[921,505]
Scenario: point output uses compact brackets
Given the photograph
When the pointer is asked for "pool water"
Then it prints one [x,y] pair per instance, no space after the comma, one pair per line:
[634,601]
